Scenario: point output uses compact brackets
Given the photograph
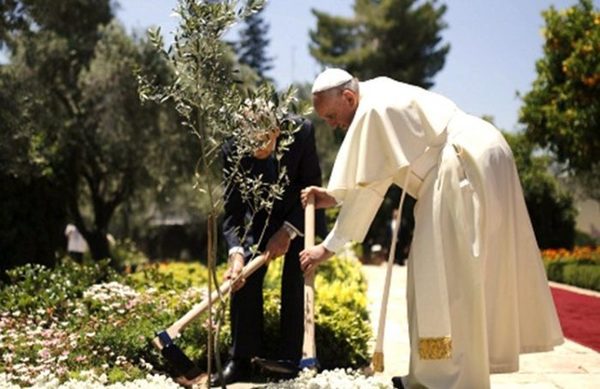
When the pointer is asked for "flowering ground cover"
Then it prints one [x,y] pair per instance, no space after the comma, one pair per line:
[87,326]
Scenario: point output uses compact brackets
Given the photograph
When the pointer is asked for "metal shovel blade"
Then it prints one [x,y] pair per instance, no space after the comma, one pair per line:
[180,362]
[177,358]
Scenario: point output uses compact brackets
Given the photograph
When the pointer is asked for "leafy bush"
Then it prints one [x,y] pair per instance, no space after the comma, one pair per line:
[583,275]
[342,327]
[550,206]
[580,267]
[35,286]
[127,256]
[81,318]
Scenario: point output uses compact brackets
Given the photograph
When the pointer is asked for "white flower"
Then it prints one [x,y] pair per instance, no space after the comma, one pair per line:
[331,379]
[89,380]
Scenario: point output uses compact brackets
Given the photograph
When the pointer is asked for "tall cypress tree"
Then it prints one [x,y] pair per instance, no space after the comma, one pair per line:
[252,45]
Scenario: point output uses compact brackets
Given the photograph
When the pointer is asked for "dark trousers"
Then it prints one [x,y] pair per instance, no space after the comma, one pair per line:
[247,316]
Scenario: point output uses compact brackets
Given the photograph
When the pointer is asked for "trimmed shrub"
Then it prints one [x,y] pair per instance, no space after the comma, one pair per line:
[583,275]
[580,267]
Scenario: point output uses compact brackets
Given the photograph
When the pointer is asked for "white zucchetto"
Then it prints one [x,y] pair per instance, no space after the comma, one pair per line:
[330,78]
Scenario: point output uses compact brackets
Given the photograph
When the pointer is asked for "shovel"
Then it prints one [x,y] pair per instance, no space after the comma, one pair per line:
[378,360]
[309,349]
[164,339]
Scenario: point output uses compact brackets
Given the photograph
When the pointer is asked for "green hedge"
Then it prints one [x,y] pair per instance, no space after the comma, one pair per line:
[583,273]
[77,318]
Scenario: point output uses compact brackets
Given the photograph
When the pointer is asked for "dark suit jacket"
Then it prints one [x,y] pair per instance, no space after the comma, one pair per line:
[303,169]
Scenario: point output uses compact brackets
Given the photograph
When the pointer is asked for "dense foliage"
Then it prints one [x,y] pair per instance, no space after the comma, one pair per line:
[73,118]
[76,319]
[562,110]
[551,207]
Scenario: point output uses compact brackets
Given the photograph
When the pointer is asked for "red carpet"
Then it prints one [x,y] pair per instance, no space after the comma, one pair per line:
[579,316]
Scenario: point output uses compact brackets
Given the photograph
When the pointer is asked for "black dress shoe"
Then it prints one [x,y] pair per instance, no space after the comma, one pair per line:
[234,371]
[397,382]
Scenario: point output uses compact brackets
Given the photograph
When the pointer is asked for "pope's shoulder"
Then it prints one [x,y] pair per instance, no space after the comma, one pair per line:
[379,94]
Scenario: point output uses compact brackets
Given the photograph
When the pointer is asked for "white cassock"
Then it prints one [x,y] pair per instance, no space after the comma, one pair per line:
[477,291]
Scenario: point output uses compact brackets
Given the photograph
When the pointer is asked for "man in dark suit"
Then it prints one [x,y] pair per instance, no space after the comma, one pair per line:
[282,235]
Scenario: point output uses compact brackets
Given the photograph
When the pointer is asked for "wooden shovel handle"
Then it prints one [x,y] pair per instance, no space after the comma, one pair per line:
[378,357]
[201,307]
[309,349]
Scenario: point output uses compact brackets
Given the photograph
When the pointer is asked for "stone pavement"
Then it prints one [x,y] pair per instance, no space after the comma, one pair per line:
[568,366]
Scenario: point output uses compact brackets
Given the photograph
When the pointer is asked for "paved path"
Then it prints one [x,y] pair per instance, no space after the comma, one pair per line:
[568,366]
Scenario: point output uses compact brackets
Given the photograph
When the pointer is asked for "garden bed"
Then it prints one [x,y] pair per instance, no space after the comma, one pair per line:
[87,325]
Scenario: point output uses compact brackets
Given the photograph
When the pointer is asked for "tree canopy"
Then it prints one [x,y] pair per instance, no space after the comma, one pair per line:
[562,110]
[550,206]
[75,118]
[397,38]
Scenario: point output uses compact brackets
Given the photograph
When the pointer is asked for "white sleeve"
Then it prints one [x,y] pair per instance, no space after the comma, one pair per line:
[356,214]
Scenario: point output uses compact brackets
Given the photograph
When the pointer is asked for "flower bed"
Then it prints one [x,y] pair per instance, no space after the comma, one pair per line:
[328,379]
[332,379]
[88,325]
[580,267]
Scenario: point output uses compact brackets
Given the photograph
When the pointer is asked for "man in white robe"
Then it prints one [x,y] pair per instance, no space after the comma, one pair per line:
[477,291]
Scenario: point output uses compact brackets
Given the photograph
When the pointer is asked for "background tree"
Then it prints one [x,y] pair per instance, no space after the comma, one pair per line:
[562,110]
[551,208]
[33,212]
[126,146]
[396,38]
[80,118]
[253,43]
[34,172]
[49,46]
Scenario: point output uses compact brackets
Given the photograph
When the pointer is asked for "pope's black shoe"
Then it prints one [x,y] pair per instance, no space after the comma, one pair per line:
[234,371]
[397,382]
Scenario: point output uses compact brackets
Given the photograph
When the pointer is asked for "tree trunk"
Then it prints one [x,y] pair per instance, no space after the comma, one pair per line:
[98,244]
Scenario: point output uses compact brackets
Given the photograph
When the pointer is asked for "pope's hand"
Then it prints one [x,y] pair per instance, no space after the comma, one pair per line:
[311,257]
[236,264]
[322,198]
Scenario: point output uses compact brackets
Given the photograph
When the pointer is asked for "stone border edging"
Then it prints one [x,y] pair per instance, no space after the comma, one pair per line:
[574,289]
